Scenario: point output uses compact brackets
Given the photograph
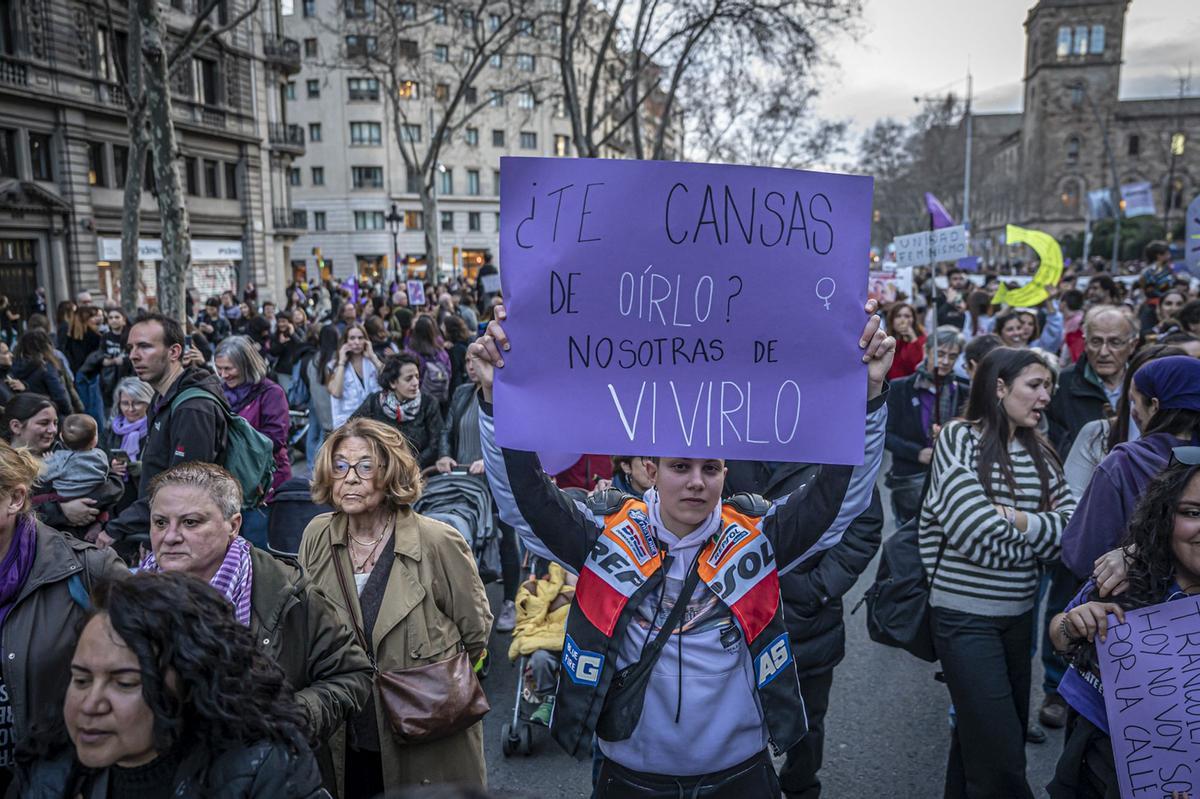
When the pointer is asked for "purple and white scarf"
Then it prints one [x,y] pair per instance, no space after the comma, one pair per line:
[233,579]
[131,434]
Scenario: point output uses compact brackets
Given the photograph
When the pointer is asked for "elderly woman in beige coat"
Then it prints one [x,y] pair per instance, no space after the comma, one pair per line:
[417,595]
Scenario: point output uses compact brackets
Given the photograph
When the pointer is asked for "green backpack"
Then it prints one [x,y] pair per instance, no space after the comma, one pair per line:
[249,455]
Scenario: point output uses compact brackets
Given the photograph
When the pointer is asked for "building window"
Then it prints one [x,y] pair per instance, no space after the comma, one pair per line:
[497,215]
[439,15]
[366,133]
[294,176]
[1073,150]
[1178,143]
[289,91]
[525,100]
[408,48]
[472,137]
[473,182]
[497,60]
[1096,46]
[207,81]
[528,140]
[310,48]
[369,220]
[212,179]
[409,90]
[309,8]
[562,145]
[412,180]
[468,56]
[496,182]
[318,176]
[359,46]
[447,182]
[468,20]
[231,181]
[314,131]
[524,27]
[363,88]
[190,179]
[1081,40]
[525,62]
[406,11]
[441,53]
[1135,144]
[95,164]
[1076,95]
[473,223]
[497,98]
[441,92]
[494,22]
[1064,42]
[1175,195]
[313,88]
[410,133]
[318,220]
[414,220]
[497,138]
[1070,197]
[471,95]
[367,177]
[39,156]
[447,221]
[360,9]
[120,162]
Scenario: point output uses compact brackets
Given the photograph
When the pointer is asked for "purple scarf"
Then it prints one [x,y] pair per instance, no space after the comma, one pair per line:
[131,434]
[233,579]
[237,396]
[17,563]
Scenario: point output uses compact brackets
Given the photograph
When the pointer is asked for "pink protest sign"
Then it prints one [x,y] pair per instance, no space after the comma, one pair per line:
[1150,668]
[661,308]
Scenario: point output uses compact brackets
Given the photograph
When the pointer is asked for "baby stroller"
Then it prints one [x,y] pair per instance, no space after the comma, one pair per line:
[291,512]
[543,602]
[464,502]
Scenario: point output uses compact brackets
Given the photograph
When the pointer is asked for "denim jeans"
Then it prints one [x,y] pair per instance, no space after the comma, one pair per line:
[313,441]
[986,663]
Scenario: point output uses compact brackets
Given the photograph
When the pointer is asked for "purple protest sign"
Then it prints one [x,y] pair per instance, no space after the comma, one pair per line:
[1150,668]
[661,308]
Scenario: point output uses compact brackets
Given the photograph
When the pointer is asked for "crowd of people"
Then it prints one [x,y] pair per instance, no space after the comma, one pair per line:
[172,630]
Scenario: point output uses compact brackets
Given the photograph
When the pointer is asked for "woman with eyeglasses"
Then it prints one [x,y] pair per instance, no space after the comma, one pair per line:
[1163,558]
[409,587]
[1164,403]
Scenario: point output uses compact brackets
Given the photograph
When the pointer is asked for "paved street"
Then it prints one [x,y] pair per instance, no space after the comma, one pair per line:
[887,735]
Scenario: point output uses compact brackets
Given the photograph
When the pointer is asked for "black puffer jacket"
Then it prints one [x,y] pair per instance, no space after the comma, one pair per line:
[260,771]
[424,432]
[812,593]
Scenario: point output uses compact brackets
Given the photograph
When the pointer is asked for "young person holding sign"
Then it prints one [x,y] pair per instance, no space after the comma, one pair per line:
[676,654]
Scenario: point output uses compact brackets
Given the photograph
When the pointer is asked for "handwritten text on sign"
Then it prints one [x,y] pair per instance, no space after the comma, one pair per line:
[661,308]
[1150,667]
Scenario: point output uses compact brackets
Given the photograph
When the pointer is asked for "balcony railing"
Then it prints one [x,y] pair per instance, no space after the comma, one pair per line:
[286,138]
[13,72]
[290,219]
[283,52]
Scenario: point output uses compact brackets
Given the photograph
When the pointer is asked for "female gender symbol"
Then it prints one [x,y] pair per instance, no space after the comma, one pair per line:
[832,288]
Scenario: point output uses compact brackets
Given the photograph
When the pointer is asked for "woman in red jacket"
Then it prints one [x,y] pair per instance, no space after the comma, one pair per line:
[905,326]
[263,403]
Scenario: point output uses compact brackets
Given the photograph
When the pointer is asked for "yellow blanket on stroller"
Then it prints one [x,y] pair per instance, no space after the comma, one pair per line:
[542,607]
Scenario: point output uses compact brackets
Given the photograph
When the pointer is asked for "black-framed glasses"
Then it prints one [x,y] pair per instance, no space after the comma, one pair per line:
[364,469]
[1188,456]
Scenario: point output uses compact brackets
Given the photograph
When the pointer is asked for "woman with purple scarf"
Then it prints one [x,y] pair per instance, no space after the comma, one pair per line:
[44,580]
[263,403]
[127,433]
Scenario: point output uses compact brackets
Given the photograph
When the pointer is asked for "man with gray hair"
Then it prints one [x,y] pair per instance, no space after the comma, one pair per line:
[195,518]
[1090,388]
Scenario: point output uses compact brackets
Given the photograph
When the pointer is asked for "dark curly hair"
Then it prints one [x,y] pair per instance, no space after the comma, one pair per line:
[229,694]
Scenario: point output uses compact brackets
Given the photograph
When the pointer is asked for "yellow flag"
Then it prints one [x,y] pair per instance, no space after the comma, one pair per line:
[1049,271]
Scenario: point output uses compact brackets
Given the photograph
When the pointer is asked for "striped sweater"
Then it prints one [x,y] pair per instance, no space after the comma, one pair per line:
[990,568]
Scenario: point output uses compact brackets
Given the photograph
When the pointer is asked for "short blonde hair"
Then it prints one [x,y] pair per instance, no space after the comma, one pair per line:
[397,470]
[18,468]
[221,486]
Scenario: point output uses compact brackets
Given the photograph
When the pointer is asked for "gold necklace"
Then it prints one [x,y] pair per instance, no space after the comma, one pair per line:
[360,568]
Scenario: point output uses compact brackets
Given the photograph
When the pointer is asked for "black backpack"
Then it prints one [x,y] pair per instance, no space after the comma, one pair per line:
[898,601]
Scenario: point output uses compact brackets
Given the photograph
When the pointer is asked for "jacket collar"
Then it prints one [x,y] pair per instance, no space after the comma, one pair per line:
[53,561]
[277,586]
[406,537]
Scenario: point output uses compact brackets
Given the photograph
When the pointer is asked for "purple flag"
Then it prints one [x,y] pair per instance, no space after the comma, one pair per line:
[1149,667]
[939,217]
[653,306]
[968,264]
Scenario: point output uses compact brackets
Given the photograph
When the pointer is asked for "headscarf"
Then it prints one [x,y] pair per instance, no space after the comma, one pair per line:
[1174,381]
[131,434]
[17,563]
[234,578]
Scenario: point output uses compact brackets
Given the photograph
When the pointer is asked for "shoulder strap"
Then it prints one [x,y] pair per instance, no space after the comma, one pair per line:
[195,392]
[358,630]
[79,593]
[652,650]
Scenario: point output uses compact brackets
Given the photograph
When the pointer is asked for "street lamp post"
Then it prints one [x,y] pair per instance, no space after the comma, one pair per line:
[393,220]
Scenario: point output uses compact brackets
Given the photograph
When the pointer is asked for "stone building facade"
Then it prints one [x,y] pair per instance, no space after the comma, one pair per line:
[63,150]
[1075,135]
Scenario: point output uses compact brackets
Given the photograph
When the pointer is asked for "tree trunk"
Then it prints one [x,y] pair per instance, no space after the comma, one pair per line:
[433,271]
[135,166]
[176,236]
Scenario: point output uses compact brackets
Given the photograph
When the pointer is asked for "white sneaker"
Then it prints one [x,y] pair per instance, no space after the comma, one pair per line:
[507,619]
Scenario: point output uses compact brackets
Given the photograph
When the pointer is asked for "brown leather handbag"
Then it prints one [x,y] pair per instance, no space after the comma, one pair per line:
[424,703]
